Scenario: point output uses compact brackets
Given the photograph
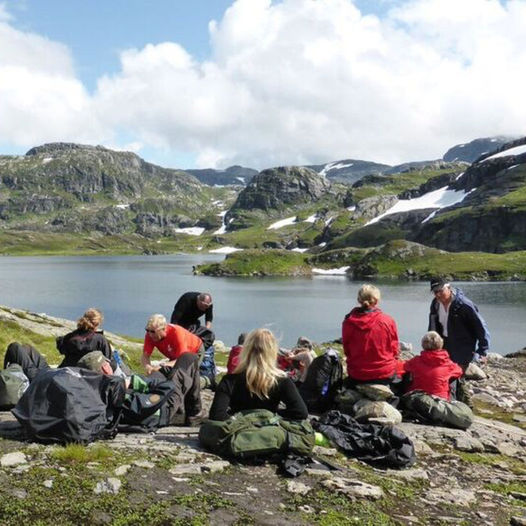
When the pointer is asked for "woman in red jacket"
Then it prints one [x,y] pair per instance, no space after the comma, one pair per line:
[370,341]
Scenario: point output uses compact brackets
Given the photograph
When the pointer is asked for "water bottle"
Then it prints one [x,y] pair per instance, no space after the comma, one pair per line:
[325,388]
[117,357]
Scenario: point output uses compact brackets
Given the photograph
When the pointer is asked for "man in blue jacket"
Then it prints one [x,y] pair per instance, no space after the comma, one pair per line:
[457,319]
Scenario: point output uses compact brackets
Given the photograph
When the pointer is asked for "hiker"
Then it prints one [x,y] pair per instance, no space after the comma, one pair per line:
[86,338]
[429,389]
[257,383]
[171,340]
[190,307]
[433,370]
[297,361]
[183,395]
[31,361]
[370,341]
[458,321]
[235,352]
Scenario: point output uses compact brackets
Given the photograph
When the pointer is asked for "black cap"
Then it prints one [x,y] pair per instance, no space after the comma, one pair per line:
[437,283]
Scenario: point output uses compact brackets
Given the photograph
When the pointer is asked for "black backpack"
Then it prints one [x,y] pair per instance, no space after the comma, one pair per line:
[71,405]
[324,378]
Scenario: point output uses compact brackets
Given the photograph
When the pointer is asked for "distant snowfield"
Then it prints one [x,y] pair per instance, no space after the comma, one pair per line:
[191,231]
[331,271]
[222,228]
[311,219]
[225,250]
[122,206]
[299,250]
[440,198]
[46,160]
[282,223]
[512,151]
[334,166]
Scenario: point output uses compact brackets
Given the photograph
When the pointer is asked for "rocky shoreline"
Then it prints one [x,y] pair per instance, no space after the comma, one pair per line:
[476,476]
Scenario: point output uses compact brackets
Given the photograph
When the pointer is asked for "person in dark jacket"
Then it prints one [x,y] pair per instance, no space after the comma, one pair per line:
[86,338]
[257,383]
[190,307]
[370,341]
[458,321]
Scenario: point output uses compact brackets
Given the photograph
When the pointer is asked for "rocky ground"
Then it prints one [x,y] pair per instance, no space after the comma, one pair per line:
[460,477]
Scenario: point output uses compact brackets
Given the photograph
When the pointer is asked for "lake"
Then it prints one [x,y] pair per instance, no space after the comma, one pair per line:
[130,288]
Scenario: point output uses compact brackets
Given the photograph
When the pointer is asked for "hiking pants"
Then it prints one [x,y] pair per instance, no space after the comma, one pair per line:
[186,398]
[31,361]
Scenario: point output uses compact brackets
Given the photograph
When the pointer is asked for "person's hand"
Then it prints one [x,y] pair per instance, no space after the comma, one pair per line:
[483,360]
[150,369]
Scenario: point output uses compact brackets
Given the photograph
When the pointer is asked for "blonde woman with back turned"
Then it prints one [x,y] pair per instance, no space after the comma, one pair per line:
[370,341]
[257,383]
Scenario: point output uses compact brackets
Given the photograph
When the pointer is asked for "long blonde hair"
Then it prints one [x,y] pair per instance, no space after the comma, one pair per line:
[90,320]
[258,361]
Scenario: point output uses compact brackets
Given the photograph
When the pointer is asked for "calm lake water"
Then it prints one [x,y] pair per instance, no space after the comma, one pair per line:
[130,288]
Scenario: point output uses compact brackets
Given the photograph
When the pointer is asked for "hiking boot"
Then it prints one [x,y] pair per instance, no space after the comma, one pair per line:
[195,420]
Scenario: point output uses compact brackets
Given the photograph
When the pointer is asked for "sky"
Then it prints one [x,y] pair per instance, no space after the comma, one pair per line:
[262,83]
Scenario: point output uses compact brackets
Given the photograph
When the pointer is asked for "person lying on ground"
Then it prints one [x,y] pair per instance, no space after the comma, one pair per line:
[179,385]
[235,352]
[86,338]
[171,340]
[370,341]
[257,383]
[31,361]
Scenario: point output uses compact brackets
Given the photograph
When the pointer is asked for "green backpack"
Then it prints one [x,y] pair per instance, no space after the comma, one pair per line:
[13,383]
[255,433]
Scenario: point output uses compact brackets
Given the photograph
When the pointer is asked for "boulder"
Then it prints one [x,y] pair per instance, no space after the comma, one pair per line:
[378,412]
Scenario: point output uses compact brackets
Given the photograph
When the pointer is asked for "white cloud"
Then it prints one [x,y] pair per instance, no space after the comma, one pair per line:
[296,81]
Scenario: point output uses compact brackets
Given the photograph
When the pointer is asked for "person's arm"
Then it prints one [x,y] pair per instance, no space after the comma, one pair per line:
[434,324]
[209,316]
[295,408]
[480,329]
[395,343]
[221,403]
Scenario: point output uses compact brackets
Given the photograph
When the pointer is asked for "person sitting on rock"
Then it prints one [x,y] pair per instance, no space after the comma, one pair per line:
[171,340]
[257,383]
[429,378]
[296,362]
[86,338]
[235,352]
[370,341]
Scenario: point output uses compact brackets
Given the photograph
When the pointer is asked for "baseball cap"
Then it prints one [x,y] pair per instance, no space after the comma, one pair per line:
[93,361]
[437,283]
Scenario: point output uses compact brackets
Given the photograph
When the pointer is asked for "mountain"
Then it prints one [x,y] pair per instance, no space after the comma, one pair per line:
[233,175]
[470,151]
[63,187]
[276,190]
[349,171]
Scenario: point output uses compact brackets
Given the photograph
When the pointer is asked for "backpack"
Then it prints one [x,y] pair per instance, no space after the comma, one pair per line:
[13,383]
[431,409]
[255,433]
[324,378]
[71,405]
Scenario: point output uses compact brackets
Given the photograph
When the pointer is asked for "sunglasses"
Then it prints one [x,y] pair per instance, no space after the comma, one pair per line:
[150,331]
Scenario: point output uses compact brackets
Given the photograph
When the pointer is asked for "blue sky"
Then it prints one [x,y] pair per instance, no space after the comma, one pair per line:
[267,83]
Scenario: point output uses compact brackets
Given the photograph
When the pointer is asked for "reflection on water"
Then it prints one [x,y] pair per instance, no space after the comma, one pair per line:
[130,288]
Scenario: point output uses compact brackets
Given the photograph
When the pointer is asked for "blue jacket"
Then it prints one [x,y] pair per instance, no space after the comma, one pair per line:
[465,328]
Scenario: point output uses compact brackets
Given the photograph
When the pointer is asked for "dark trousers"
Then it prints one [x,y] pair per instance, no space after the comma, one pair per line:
[186,397]
[31,361]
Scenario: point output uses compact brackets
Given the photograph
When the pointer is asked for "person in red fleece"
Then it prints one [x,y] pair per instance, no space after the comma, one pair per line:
[235,354]
[433,370]
[370,341]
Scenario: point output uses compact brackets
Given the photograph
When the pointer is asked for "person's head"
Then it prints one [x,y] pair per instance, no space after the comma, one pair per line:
[156,327]
[304,343]
[368,296]
[441,288]
[432,341]
[258,361]
[91,320]
[241,338]
[96,361]
[204,301]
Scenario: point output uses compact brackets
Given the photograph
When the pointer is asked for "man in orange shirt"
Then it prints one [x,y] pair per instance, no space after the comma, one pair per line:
[170,340]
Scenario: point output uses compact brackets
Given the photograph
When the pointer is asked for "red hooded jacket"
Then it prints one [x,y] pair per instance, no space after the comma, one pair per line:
[370,344]
[432,371]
